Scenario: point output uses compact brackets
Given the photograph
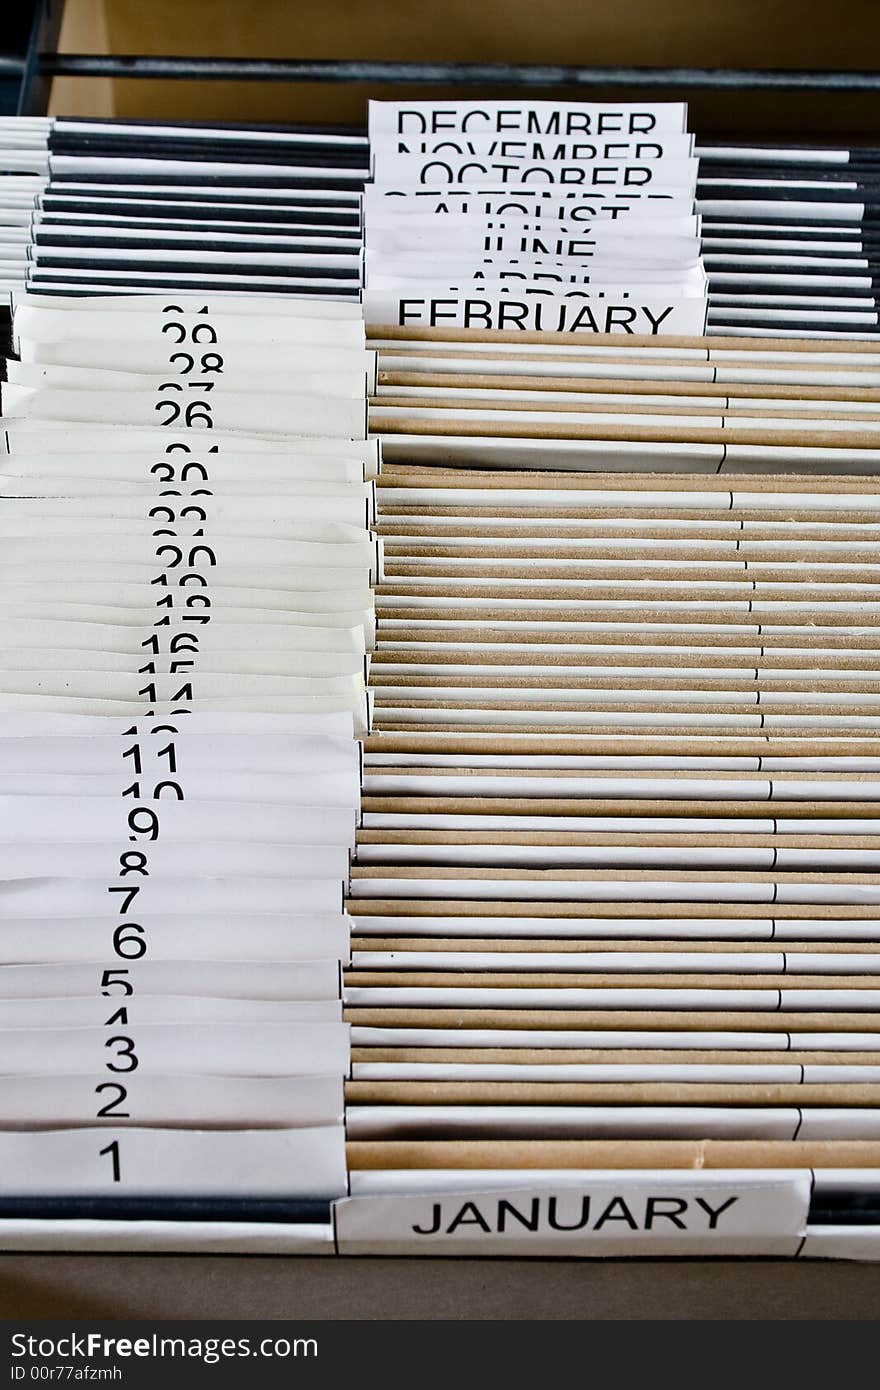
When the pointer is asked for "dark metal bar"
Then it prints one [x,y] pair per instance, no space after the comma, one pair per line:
[448,74]
[287,1210]
[36,82]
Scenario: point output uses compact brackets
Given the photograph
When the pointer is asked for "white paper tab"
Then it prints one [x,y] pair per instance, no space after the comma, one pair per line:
[473,307]
[308,1162]
[213,1049]
[563,119]
[605,1214]
[190,1102]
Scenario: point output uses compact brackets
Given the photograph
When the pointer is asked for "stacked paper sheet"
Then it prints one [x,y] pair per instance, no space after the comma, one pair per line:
[97,206]
[617,875]
[696,405]
[790,239]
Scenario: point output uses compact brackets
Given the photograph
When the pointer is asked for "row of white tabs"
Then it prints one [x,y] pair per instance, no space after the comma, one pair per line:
[187,614]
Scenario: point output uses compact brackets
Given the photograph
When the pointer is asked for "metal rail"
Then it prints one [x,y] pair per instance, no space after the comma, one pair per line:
[449,74]
[43,62]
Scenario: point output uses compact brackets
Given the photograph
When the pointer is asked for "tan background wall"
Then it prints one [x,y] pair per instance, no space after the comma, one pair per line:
[710,33]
